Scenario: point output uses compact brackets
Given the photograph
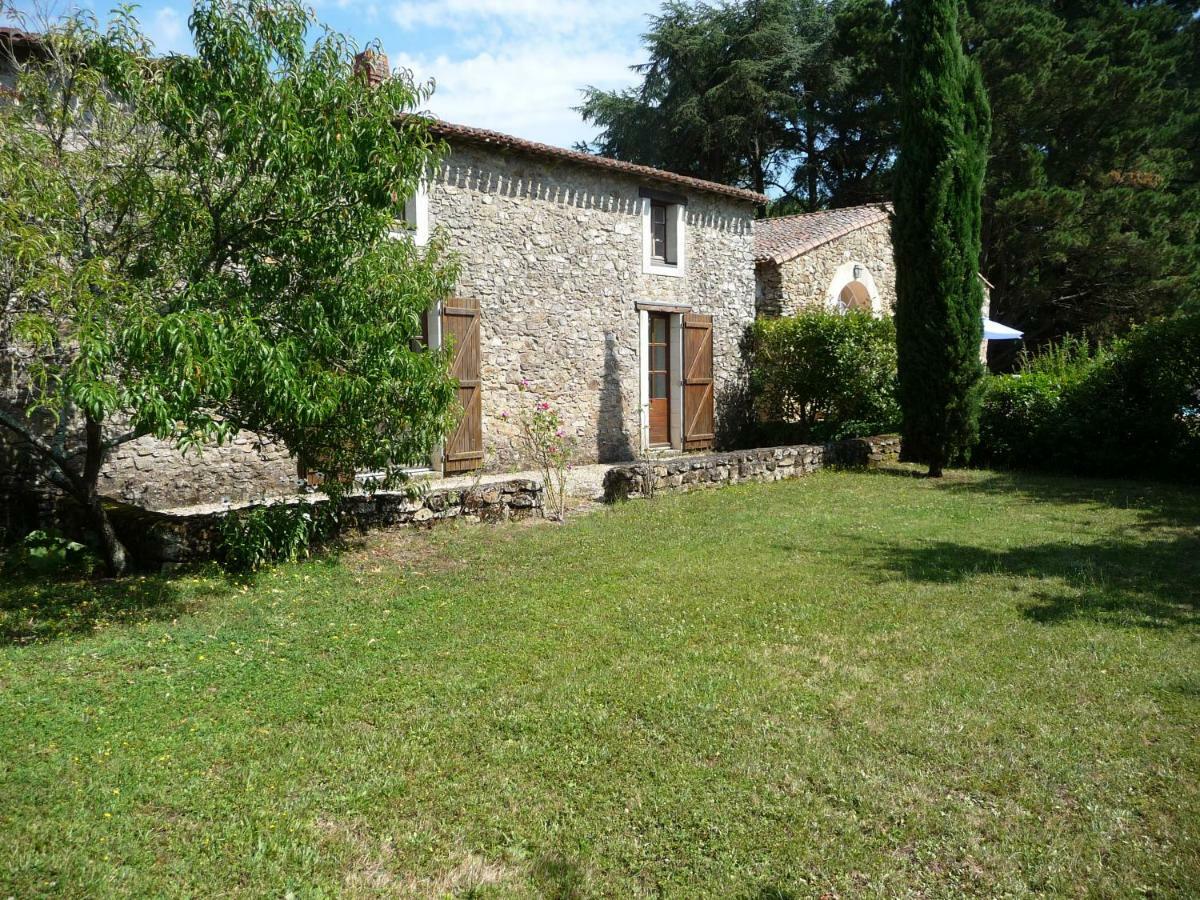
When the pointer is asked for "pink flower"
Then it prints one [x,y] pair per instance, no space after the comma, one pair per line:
[504,415]
[543,405]
[524,382]
[559,433]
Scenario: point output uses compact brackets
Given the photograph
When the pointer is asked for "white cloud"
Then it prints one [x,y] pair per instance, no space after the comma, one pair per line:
[518,66]
[559,16]
[167,29]
[527,91]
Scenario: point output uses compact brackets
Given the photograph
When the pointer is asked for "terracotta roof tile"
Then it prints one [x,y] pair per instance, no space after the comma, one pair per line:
[786,237]
[508,142]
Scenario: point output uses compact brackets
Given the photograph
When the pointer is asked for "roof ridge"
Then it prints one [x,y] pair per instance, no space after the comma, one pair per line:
[881,205]
[784,238]
[488,135]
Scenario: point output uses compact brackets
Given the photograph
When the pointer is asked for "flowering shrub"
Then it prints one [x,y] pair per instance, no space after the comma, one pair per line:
[545,441]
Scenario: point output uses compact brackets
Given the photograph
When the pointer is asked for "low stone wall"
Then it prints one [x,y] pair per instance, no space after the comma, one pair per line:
[645,479]
[158,538]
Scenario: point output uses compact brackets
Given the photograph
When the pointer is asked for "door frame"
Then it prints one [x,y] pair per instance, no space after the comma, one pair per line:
[672,406]
[675,312]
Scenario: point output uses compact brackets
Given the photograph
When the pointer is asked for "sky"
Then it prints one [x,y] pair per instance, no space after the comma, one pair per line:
[515,66]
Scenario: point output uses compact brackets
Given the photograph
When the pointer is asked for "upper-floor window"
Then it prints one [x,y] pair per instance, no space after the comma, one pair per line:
[658,231]
[416,217]
[663,244]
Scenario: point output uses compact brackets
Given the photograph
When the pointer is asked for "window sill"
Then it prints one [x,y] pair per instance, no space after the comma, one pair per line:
[668,269]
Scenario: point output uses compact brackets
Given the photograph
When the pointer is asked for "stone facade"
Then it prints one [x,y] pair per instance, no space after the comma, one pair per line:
[553,253]
[815,279]
[157,476]
[644,480]
[552,249]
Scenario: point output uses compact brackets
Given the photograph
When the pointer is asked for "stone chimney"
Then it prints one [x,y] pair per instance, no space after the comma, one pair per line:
[373,65]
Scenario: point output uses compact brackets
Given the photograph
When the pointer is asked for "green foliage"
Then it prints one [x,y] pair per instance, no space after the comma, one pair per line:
[936,237]
[860,112]
[1092,198]
[48,553]
[823,376]
[197,245]
[796,96]
[1133,407]
[724,93]
[255,537]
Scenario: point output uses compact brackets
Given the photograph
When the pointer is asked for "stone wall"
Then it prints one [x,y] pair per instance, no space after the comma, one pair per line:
[155,475]
[553,252]
[645,479]
[157,539]
[804,282]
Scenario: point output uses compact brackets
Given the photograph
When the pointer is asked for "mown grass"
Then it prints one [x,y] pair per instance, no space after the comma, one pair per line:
[848,685]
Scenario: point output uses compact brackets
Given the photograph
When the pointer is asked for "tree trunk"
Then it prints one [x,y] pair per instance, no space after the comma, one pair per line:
[759,176]
[116,559]
[810,154]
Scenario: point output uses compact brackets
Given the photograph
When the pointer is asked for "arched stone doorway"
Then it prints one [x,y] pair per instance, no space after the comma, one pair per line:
[853,288]
[855,298]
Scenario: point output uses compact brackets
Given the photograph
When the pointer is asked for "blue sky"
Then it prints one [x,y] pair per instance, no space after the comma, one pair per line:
[512,65]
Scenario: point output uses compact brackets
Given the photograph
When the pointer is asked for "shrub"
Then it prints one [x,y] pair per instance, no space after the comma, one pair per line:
[544,439]
[1133,408]
[48,553]
[252,538]
[822,375]
[1021,419]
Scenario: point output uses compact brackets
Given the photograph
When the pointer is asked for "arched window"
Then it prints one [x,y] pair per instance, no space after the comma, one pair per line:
[853,288]
[855,297]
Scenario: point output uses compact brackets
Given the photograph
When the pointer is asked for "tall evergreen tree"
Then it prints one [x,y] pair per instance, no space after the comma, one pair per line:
[944,131]
[730,93]
[1092,202]
[862,113]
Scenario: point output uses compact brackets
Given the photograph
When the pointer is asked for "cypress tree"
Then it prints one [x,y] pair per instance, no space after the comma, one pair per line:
[944,131]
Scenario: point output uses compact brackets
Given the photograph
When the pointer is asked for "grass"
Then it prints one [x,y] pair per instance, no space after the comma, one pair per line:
[847,685]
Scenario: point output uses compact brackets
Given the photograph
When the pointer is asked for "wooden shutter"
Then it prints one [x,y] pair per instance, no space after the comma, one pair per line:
[460,330]
[698,421]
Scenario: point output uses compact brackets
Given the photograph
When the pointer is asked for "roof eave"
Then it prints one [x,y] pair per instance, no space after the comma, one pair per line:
[498,140]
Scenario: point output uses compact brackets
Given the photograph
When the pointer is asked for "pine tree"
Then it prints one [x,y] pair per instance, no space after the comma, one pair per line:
[944,131]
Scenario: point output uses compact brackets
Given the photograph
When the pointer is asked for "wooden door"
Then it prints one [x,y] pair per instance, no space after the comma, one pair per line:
[460,331]
[659,371]
[698,419]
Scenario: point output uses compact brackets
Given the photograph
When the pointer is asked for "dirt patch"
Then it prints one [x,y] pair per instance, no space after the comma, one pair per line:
[371,866]
[404,548]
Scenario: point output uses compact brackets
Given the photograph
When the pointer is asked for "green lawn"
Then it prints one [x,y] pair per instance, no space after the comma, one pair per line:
[851,685]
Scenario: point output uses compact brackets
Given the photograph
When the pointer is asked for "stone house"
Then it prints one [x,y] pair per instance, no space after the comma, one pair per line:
[616,292]
[837,259]
[619,293]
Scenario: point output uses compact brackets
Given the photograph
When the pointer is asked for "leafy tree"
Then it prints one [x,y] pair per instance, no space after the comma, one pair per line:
[862,112]
[944,128]
[190,246]
[729,94]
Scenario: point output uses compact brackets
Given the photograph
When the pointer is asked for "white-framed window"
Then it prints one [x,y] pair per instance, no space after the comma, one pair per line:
[664,244]
[416,217]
